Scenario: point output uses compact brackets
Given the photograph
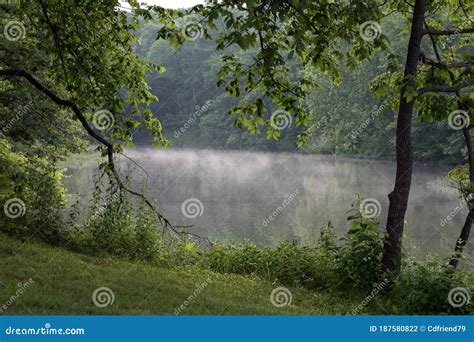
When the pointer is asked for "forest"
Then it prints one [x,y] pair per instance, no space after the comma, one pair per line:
[260,157]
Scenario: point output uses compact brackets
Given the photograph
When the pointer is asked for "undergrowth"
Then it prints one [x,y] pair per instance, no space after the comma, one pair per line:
[348,265]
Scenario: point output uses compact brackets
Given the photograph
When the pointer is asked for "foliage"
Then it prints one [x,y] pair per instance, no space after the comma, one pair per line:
[459,179]
[68,279]
[443,62]
[423,287]
[83,53]
[114,226]
[362,252]
[32,186]
[117,226]
[87,52]
[352,264]
[282,36]
[346,118]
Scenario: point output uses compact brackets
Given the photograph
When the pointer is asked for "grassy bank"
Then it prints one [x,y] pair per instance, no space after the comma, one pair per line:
[63,283]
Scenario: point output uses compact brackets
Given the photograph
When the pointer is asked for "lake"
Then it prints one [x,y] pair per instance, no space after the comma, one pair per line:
[268,198]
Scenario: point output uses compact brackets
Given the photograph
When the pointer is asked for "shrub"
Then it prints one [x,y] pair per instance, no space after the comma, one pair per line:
[114,226]
[354,263]
[32,194]
[361,255]
[424,287]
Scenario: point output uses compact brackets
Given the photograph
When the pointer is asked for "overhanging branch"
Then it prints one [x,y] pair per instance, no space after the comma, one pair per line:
[448,32]
[97,136]
[444,88]
[453,65]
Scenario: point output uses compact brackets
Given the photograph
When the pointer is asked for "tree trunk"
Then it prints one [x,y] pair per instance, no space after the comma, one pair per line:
[463,237]
[466,229]
[399,196]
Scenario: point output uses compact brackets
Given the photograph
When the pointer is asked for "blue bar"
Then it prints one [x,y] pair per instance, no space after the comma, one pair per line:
[239,328]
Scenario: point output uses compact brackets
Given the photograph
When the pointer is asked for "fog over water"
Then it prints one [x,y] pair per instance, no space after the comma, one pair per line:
[268,198]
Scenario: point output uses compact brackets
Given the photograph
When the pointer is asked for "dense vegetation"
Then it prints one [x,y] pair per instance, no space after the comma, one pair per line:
[345,269]
[67,284]
[67,71]
[339,111]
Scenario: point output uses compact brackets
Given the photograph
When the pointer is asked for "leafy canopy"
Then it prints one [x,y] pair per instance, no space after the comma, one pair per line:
[286,37]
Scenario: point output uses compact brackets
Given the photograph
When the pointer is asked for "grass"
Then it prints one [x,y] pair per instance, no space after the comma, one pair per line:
[64,281]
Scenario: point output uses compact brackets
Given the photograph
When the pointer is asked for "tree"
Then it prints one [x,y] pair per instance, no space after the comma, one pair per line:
[312,32]
[404,153]
[459,72]
[350,109]
[282,38]
[82,58]
[431,85]
[462,104]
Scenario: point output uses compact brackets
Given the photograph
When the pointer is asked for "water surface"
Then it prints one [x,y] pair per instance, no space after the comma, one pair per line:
[268,198]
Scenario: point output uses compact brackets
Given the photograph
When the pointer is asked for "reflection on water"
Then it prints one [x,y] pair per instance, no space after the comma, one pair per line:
[268,198]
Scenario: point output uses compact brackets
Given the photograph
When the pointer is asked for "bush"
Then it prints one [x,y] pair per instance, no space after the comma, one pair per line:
[350,265]
[361,255]
[425,287]
[114,226]
[353,263]
[31,195]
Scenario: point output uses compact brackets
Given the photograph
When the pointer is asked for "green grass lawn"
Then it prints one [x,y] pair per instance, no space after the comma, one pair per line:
[63,283]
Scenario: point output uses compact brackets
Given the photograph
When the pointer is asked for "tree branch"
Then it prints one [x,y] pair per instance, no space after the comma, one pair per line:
[448,32]
[97,136]
[461,64]
[444,88]
[454,65]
